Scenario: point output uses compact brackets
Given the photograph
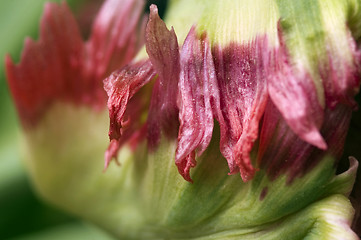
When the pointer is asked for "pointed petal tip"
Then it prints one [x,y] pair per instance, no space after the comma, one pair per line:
[246,178]
[153,9]
[8,59]
[353,162]
[111,153]
[249,174]
[9,65]
[186,177]
[315,138]
[185,174]
[184,166]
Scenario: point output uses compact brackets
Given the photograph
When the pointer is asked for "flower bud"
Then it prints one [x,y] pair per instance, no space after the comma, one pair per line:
[260,89]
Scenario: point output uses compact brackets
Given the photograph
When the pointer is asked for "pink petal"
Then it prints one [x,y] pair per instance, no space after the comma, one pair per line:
[281,151]
[121,86]
[292,90]
[341,78]
[162,48]
[197,90]
[115,37]
[241,74]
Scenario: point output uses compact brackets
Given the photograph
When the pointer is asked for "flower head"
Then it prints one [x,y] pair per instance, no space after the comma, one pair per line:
[261,93]
[224,90]
[283,110]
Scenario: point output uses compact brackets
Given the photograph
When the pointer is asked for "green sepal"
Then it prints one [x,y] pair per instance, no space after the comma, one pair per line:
[146,198]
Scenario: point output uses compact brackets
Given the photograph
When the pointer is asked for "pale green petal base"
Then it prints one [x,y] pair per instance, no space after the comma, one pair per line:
[146,198]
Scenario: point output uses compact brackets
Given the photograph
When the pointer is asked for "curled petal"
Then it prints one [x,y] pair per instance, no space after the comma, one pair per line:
[292,90]
[115,37]
[241,75]
[162,48]
[197,91]
[282,151]
[121,86]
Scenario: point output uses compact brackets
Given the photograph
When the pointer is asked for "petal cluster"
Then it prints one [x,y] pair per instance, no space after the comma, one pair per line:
[261,103]
[262,98]
[60,66]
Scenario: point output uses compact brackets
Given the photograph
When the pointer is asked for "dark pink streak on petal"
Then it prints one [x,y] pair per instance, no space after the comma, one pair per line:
[197,88]
[241,74]
[115,37]
[162,48]
[124,110]
[263,193]
[282,151]
[341,79]
[293,91]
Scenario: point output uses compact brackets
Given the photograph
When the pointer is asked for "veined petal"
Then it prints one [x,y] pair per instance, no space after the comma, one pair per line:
[198,93]
[292,90]
[163,51]
[241,79]
[282,151]
[125,111]
[241,76]
[116,36]
[321,53]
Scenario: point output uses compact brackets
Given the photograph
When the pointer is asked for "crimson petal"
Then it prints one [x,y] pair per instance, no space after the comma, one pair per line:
[162,48]
[121,86]
[198,91]
[241,74]
[282,151]
[116,36]
[292,90]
